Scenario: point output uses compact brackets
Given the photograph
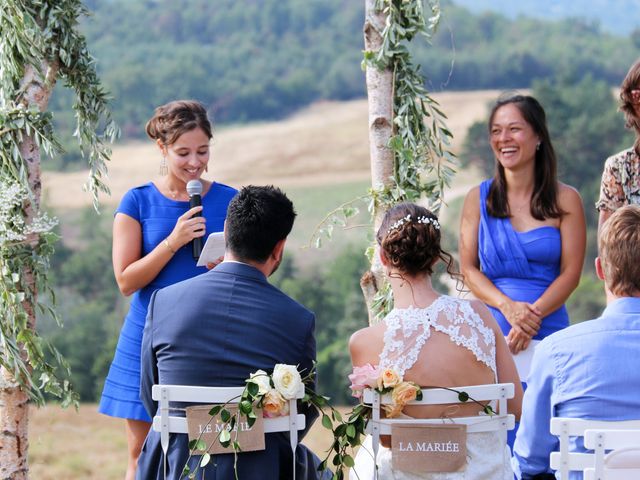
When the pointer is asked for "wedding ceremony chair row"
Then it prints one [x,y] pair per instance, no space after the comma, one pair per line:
[565,461]
[616,454]
[495,394]
[165,423]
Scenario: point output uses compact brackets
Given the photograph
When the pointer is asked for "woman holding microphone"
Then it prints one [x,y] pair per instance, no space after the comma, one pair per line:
[153,229]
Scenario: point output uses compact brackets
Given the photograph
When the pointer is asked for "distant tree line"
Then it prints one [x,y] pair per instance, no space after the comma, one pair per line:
[263,59]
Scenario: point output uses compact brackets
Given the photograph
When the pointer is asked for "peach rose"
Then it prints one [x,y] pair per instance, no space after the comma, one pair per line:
[404,393]
[388,379]
[392,411]
[274,404]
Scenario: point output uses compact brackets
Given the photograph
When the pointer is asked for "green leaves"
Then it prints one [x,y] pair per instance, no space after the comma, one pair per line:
[40,42]
[326,422]
[252,389]
[224,437]
[197,444]
[215,410]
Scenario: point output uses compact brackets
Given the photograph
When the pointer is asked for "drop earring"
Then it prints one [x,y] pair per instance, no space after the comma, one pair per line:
[538,145]
[163,166]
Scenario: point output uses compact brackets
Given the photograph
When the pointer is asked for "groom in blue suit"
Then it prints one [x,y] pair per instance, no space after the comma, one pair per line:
[219,327]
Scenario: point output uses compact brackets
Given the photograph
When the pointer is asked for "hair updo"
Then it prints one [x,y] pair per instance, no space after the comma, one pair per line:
[176,118]
[412,245]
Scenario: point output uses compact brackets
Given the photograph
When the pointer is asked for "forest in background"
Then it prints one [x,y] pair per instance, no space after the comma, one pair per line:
[264,59]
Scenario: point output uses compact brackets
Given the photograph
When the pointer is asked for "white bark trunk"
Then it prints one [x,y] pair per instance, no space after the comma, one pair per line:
[380,96]
[14,408]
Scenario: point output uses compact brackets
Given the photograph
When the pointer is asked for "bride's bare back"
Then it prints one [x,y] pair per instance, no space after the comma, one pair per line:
[450,343]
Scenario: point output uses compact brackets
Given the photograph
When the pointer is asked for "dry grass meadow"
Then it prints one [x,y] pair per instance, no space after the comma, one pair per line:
[319,156]
[70,445]
[325,144]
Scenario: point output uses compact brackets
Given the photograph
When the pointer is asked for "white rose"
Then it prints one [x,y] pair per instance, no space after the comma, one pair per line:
[287,380]
[261,378]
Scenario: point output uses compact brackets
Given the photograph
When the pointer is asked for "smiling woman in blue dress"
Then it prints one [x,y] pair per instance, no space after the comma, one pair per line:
[152,231]
[523,233]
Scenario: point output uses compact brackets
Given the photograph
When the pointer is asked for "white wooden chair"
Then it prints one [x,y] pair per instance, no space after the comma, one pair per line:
[622,463]
[564,461]
[165,423]
[496,393]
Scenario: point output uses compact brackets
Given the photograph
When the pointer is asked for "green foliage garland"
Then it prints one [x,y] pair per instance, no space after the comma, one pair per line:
[423,161]
[420,147]
[40,33]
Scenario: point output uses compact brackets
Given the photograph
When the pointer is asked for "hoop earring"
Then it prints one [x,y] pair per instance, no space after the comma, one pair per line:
[164,170]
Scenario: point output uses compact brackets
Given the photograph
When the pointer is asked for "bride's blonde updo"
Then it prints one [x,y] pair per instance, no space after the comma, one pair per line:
[173,119]
[410,239]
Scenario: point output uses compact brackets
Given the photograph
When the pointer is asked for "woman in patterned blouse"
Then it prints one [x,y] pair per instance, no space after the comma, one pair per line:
[621,177]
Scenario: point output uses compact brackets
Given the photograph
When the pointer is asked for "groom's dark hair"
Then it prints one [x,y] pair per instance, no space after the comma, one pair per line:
[257,219]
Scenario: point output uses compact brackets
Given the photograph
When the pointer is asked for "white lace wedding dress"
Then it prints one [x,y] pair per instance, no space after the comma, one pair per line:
[406,333]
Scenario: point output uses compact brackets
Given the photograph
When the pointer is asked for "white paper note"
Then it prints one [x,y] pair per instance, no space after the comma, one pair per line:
[212,250]
[523,360]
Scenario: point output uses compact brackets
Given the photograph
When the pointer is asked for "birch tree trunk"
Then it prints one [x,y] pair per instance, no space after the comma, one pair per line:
[36,86]
[380,99]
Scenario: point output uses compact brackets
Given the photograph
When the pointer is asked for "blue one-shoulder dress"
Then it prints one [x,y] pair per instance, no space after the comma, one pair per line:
[157,216]
[521,265]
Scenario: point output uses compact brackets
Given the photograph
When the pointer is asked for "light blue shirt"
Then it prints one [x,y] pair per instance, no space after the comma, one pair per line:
[590,370]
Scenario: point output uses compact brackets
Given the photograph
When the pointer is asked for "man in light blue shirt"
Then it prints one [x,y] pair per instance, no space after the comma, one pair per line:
[590,370]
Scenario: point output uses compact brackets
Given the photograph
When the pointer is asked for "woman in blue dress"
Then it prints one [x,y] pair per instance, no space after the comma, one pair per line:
[152,232]
[523,233]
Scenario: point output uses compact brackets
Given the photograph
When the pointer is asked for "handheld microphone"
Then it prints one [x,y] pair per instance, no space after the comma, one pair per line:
[194,189]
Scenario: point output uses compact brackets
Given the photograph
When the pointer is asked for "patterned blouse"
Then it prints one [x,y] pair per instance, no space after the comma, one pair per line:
[620,181]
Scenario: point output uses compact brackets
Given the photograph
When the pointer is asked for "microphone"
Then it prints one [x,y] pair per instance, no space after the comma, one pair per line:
[194,189]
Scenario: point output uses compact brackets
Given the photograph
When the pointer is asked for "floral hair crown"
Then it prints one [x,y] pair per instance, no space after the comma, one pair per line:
[407,218]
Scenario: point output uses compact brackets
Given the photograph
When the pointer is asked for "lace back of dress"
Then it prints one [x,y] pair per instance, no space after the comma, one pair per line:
[408,329]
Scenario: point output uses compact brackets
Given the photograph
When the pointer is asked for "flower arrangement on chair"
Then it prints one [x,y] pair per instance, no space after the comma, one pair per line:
[265,394]
[269,394]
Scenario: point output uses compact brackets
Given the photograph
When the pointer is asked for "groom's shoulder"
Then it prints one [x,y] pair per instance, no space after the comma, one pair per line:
[285,301]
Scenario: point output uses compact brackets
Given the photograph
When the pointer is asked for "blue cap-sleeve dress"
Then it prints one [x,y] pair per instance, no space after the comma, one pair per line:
[157,216]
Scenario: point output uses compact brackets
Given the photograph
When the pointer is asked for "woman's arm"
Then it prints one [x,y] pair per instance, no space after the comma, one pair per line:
[603,217]
[522,316]
[132,271]
[574,238]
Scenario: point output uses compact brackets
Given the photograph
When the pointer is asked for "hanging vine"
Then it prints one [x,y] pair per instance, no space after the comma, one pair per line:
[40,44]
[420,140]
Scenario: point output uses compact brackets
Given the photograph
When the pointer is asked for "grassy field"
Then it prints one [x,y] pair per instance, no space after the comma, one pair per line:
[70,445]
[325,144]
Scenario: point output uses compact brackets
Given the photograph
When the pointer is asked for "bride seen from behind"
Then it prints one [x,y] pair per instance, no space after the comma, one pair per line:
[434,340]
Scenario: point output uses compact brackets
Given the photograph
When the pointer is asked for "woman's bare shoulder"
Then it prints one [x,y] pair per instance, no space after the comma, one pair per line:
[366,343]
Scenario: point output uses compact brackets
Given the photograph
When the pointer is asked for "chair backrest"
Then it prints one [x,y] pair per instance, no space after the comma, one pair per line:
[564,461]
[622,462]
[166,423]
[497,393]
